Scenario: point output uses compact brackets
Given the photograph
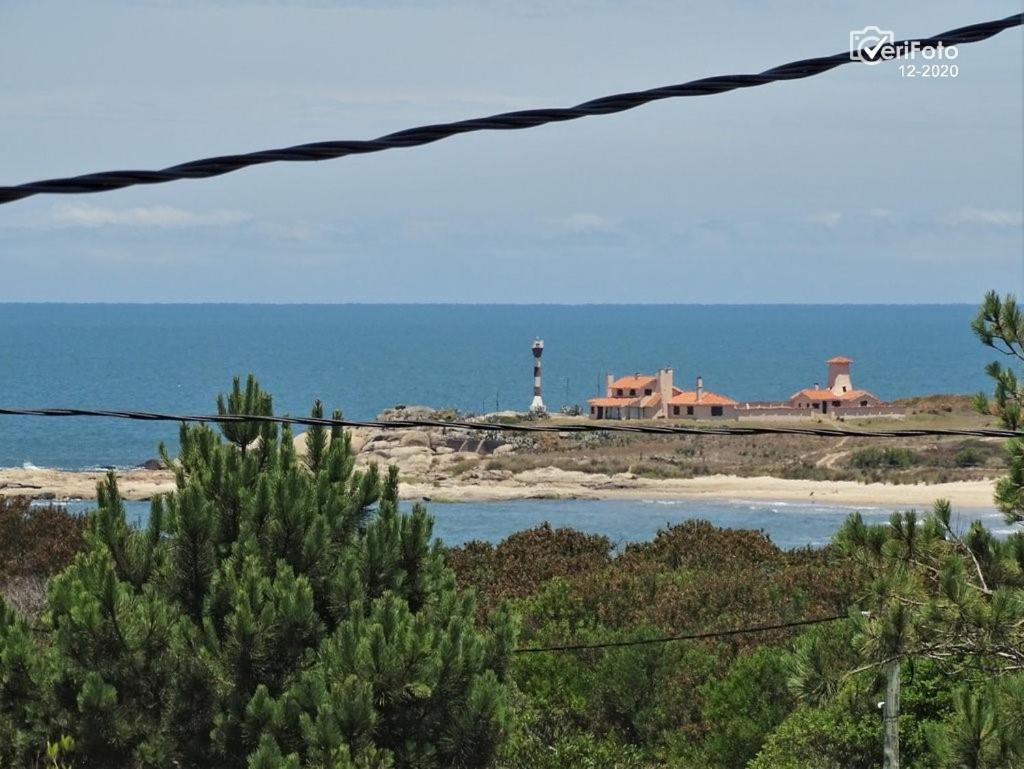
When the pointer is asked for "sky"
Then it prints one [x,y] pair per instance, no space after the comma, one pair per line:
[857,186]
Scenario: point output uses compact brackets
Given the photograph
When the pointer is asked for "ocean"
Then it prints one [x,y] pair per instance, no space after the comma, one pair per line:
[787,524]
[363,358]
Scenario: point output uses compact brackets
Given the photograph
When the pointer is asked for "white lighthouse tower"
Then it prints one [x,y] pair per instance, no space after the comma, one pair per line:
[537,404]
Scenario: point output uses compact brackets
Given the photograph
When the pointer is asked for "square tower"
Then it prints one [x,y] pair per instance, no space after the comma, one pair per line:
[839,381]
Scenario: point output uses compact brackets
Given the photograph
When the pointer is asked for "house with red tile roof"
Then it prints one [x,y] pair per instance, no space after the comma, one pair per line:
[838,395]
[652,396]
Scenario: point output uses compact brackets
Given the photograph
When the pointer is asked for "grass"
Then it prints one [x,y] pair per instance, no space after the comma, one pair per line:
[911,460]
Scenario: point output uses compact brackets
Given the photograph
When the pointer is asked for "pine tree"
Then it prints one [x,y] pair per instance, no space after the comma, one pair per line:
[953,596]
[999,324]
[275,613]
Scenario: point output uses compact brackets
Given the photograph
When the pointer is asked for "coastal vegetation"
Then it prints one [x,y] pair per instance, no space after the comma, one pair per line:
[281,612]
[275,613]
[865,460]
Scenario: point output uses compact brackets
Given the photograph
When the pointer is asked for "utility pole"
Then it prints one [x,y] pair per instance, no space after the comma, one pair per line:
[890,716]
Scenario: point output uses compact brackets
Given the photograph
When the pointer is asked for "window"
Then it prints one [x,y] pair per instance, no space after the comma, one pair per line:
[675,410]
[689,411]
[619,392]
[817,405]
[632,392]
[863,403]
[716,411]
[648,391]
[844,388]
[835,403]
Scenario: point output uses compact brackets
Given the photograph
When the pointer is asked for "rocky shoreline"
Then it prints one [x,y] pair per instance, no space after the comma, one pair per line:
[455,464]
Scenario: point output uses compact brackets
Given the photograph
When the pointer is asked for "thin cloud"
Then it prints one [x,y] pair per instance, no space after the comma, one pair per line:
[826,219]
[158,217]
[993,217]
[585,223]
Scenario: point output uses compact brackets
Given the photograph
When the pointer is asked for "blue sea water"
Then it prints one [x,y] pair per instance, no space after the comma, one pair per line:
[363,358]
[787,524]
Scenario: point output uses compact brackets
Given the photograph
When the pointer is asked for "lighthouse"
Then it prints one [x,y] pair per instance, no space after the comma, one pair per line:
[537,404]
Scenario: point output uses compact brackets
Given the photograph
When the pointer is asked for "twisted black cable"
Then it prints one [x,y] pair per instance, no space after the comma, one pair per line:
[686,637]
[414,137]
[527,427]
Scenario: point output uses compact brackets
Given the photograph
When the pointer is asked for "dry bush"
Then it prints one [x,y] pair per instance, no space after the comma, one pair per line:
[523,562]
[692,575]
[26,595]
[36,540]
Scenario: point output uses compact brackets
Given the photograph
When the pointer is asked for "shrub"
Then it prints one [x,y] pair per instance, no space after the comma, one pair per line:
[745,706]
[968,456]
[874,457]
[37,540]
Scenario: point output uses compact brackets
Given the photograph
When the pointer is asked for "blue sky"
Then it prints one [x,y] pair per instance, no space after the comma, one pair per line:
[856,186]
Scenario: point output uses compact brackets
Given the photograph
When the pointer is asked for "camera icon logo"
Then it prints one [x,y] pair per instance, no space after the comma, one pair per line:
[872,44]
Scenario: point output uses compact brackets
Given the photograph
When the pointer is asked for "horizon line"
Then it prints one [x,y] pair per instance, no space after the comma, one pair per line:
[226,303]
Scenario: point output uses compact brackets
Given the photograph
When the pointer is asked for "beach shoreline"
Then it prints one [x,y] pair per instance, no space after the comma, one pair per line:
[551,483]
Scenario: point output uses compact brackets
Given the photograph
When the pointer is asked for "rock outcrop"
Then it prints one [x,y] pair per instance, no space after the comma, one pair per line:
[421,454]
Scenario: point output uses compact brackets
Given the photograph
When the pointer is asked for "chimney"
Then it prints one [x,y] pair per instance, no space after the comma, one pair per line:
[817,385]
[665,388]
[608,379]
[700,388]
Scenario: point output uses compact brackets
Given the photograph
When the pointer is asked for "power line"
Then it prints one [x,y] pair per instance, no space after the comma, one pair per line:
[522,427]
[414,137]
[687,637]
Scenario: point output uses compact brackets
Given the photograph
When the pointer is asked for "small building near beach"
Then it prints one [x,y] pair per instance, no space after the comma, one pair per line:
[653,396]
[840,394]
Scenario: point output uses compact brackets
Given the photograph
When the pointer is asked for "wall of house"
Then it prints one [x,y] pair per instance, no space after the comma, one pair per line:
[626,412]
[803,403]
[702,411]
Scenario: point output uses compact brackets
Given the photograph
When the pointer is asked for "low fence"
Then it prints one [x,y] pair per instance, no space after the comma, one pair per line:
[768,410]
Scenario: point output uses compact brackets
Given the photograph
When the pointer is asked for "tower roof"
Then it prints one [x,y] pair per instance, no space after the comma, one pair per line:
[840,359]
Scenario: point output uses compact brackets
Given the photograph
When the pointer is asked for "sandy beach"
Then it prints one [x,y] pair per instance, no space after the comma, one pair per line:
[552,483]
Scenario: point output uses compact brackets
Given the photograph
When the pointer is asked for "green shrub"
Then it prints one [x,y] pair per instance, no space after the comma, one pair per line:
[745,706]
[968,456]
[828,737]
[874,457]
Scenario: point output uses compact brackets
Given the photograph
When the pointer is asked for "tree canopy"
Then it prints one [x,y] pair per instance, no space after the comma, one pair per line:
[276,612]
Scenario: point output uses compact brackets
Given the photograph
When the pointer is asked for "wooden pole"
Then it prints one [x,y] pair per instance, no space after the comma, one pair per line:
[891,714]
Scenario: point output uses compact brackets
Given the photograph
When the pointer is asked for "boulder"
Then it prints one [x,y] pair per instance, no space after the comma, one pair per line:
[504,448]
[415,438]
[152,464]
[406,412]
[381,438]
[408,451]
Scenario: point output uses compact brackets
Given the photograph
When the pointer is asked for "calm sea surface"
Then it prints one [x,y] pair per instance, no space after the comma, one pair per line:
[787,524]
[363,358]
